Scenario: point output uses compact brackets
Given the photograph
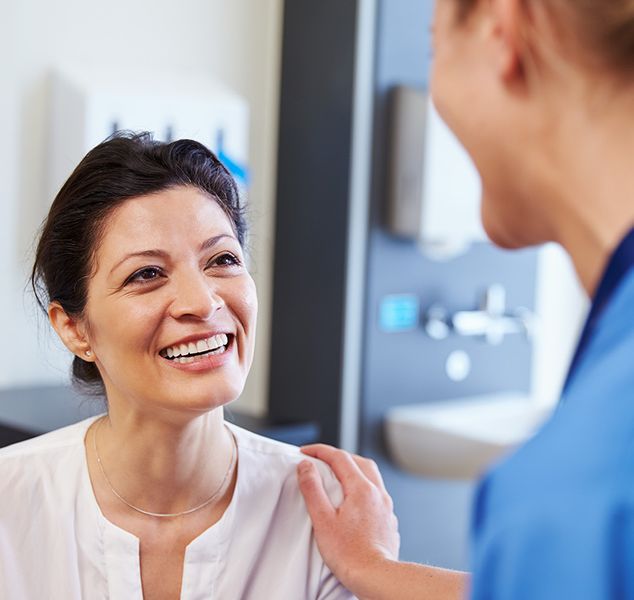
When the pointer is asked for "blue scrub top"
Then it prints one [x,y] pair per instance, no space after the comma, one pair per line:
[618,266]
[556,519]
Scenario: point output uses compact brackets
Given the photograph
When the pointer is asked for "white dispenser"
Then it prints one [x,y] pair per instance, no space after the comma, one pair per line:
[434,189]
[88,106]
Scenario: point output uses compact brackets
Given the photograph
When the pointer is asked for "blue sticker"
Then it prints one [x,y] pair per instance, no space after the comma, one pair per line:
[399,313]
[239,171]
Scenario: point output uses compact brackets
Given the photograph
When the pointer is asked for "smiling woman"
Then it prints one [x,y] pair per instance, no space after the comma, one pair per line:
[141,270]
[168,274]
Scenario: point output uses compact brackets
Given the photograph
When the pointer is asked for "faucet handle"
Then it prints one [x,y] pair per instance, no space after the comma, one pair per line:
[491,322]
[437,322]
[529,321]
[494,301]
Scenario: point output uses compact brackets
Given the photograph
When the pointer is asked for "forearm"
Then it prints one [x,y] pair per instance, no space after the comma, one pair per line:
[394,580]
[359,538]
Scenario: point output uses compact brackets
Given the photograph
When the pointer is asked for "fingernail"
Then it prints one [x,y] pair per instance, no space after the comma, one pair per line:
[303,467]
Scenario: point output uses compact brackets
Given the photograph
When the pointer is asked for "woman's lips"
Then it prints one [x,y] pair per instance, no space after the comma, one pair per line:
[196,345]
[203,362]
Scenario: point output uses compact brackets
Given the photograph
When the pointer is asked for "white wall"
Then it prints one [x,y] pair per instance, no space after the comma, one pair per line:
[561,307]
[236,41]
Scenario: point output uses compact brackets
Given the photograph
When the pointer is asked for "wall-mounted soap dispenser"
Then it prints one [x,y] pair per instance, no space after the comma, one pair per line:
[433,187]
[89,105]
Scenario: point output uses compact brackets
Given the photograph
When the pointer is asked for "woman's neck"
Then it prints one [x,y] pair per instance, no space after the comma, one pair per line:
[590,185]
[160,465]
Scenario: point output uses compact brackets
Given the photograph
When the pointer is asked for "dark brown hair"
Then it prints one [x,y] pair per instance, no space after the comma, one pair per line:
[126,165]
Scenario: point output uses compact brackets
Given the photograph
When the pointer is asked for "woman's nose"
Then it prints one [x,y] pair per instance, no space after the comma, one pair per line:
[196,296]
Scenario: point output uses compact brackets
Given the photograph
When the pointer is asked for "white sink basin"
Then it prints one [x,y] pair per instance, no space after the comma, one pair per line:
[459,439]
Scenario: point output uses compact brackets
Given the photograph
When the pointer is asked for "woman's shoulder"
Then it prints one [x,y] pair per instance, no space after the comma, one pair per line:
[277,462]
[271,529]
[39,480]
[44,449]
[253,442]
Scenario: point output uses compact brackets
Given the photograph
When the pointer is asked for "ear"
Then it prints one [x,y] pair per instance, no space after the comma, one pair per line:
[508,18]
[71,331]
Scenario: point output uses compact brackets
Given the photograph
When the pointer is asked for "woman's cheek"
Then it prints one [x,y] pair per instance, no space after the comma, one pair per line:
[247,300]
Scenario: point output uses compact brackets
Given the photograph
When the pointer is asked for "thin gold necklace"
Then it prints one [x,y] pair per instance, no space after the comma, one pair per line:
[166,515]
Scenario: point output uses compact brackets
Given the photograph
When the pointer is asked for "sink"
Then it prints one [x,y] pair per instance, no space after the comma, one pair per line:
[459,439]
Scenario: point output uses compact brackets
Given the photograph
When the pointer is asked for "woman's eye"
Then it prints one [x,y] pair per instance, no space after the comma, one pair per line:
[225,260]
[146,274]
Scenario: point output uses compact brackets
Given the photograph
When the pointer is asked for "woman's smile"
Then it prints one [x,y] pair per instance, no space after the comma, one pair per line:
[171,307]
[212,343]
[202,354]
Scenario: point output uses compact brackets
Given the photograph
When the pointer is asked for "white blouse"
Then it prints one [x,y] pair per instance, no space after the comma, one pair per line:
[56,544]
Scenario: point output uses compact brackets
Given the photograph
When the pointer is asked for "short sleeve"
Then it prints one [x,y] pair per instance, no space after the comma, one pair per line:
[563,546]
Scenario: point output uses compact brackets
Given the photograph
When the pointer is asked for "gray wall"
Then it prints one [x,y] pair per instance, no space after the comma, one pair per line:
[318,47]
[312,258]
[408,368]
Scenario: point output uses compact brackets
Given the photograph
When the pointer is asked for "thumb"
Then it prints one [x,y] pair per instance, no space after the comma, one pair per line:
[311,486]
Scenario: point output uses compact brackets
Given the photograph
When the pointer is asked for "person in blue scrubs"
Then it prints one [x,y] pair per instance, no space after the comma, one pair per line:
[541,93]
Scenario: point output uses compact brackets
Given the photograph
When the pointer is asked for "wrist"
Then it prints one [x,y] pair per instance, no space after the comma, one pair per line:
[367,579]
[386,579]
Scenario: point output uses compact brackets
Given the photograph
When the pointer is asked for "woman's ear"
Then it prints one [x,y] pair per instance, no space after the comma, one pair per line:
[508,18]
[71,331]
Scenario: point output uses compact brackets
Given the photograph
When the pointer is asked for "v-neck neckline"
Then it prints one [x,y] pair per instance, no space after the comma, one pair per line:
[121,548]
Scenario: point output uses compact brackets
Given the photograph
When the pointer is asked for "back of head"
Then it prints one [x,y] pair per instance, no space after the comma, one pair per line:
[602,30]
[606,28]
[125,166]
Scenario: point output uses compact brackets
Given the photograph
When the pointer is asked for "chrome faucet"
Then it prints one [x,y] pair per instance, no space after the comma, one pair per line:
[490,322]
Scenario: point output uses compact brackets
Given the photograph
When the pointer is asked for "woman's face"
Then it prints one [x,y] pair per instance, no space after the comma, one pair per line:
[171,311]
[472,93]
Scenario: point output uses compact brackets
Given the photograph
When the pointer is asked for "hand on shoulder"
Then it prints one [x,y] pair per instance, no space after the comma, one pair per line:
[361,534]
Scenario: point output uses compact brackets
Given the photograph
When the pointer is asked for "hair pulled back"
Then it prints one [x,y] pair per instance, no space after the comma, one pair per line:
[125,166]
[604,27]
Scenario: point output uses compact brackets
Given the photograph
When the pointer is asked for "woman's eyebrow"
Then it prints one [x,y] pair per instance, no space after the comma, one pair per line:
[206,245]
[212,241]
[148,253]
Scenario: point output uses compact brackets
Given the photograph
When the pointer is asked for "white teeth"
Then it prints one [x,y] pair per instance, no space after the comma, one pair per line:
[216,344]
[183,360]
[218,341]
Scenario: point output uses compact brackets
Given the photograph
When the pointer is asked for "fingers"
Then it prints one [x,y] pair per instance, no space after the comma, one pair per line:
[370,470]
[329,454]
[311,486]
[347,467]
[341,463]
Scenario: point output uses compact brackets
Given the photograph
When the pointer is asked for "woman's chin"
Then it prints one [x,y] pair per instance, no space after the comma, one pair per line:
[206,402]
[202,390]
[199,399]
[501,239]
[508,239]
[509,236]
